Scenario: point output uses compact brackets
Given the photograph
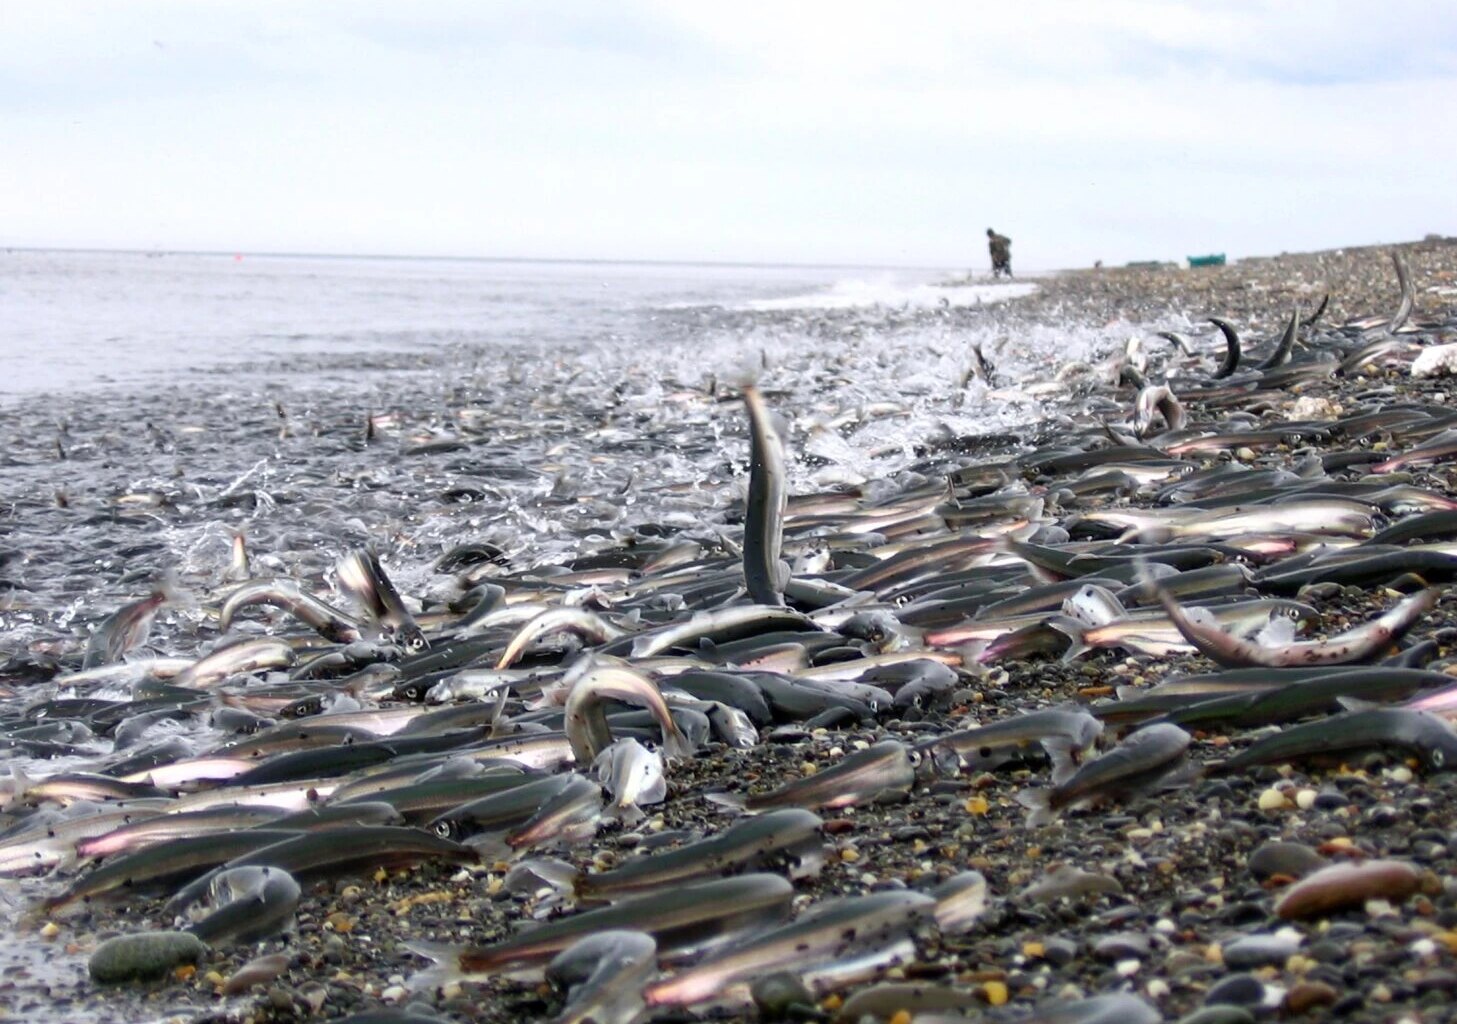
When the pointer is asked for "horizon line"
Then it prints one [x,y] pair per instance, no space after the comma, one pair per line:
[629,261]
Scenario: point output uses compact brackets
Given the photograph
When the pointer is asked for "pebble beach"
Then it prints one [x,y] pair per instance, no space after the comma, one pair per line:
[1184,899]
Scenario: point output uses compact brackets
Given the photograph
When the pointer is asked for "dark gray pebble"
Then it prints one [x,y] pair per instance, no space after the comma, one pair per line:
[1122,946]
[1238,990]
[1259,950]
[1293,860]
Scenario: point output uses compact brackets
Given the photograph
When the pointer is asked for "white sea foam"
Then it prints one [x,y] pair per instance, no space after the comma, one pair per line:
[862,293]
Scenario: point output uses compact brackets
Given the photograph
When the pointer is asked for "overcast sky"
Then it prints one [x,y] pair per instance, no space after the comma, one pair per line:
[789,131]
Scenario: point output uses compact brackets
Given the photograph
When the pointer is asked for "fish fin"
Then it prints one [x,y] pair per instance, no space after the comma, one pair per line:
[1064,764]
[1076,635]
[491,847]
[20,784]
[631,815]
[1039,808]
[676,747]
[445,965]
[730,801]
[1357,704]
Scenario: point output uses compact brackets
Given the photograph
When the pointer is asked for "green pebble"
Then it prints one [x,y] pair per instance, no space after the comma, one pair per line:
[144,956]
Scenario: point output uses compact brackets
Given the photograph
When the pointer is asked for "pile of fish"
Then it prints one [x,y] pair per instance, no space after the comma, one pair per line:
[367,729]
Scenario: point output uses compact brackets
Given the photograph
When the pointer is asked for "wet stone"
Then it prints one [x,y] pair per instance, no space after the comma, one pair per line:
[1259,950]
[1237,989]
[1059,951]
[1123,946]
[1307,995]
[778,995]
[1330,800]
[144,956]
[1291,860]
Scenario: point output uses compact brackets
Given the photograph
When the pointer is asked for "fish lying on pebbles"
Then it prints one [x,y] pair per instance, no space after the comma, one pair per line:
[1151,758]
[604,976]
[884,771]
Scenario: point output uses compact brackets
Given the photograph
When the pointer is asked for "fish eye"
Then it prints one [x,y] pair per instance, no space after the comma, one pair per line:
[443,829]
[1438,758]
[915,757]
[1293,614]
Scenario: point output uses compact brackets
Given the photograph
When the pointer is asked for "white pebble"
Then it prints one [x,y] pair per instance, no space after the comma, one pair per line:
[1157,989]
[1127,968]
[1272,800]
[393,994]
[1305,799]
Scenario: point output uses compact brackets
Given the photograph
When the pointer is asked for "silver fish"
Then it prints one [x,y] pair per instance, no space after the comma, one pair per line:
[604,975]
[634,776]
[885,771]
[765,573]
[586,722]
[1149,758]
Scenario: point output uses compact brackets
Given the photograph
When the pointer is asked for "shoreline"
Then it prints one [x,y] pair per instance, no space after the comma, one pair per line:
[1180,861]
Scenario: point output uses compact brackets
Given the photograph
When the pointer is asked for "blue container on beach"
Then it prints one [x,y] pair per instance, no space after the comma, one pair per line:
[1214,259]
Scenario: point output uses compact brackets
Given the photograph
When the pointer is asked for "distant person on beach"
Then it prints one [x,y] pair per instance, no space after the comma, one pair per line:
[1001,250]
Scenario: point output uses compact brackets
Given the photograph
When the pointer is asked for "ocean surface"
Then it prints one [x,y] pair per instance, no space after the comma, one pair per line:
[157,406]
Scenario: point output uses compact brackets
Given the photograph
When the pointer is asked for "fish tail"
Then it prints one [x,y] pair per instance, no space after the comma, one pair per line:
[676,746]
[1039,806]
[732,801]
[445,965]
[1060,751]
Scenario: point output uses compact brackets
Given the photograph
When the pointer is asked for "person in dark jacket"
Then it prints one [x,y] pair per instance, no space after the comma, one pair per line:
[1000,247]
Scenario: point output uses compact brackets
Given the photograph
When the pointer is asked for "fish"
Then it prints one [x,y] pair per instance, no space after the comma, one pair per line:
[720,626]
[1356,645]
[1064,733]
[579,621]
[362,575]
[569,817]
[1421,733]
[328,621]
[163,864]
[586,723]
[683,920]
[879,773]
[1152,757]
[125,629]
[633,775]
[507,809]
[240,658]
[604,976]
[1231,348]
[242,905]
[830,931]
[788,839]
[765,572]
[1157,401]
[48,844]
